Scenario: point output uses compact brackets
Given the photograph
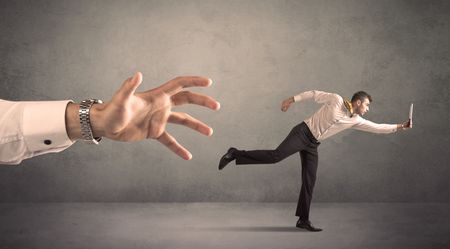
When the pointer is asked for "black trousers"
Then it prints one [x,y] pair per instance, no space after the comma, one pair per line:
[301,140]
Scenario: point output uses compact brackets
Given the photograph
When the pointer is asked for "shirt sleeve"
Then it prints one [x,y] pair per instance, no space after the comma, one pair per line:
[31,128]
[369,126]
[317,96]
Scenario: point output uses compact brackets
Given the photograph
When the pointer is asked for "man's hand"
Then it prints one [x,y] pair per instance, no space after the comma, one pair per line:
[404,125]
[286,104]
[131,116]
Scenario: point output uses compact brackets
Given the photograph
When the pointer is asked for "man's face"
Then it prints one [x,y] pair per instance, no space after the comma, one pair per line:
[362,106]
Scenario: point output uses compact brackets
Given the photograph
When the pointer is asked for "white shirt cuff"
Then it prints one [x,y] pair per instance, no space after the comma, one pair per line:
[44,126]
[297,98]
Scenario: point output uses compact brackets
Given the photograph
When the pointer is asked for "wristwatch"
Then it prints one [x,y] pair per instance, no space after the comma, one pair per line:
[85,120]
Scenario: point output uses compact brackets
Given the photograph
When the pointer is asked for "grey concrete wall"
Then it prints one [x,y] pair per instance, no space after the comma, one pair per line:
[257,53]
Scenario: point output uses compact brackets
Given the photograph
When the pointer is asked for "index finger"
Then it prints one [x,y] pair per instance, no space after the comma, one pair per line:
[175,85]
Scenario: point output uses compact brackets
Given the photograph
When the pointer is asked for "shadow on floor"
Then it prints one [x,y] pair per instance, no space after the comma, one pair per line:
[252,229]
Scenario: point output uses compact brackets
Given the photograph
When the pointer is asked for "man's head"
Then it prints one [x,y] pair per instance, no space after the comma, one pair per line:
[360,102]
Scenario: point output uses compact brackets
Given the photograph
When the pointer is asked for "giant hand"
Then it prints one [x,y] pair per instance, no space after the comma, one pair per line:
[134,116]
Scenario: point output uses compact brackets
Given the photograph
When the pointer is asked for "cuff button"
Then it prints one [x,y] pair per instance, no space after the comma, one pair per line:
[47,141]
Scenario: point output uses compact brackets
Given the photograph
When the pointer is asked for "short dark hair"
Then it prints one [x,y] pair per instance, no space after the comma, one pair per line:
[361,95]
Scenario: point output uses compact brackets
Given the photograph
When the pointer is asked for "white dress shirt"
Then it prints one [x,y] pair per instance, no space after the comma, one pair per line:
[334,117]
[29,129]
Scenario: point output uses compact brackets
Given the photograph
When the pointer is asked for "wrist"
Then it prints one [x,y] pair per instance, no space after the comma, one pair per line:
[96,116]
[73,127]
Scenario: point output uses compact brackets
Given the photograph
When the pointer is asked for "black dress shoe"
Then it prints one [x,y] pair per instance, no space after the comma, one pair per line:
[227,158]
[307,225]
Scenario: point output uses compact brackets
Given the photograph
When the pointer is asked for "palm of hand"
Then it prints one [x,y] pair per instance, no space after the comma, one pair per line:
[137,118]
[131,116]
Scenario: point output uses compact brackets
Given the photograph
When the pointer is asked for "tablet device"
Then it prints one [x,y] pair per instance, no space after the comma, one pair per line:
[410,115]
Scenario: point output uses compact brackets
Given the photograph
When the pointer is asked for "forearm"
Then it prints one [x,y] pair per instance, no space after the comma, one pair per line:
[369,126]
[318,96]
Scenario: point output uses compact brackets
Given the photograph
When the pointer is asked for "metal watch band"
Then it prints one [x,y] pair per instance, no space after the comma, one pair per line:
[85,120]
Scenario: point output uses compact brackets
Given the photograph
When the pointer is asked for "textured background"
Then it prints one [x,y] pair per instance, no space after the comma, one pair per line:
[257,53]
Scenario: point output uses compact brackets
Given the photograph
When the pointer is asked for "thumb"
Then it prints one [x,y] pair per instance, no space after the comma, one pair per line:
[130,85]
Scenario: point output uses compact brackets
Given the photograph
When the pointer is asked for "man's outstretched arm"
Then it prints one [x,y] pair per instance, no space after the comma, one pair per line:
[128,116]
[369,126]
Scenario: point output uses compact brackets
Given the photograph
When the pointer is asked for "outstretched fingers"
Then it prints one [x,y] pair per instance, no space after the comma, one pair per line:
[171,143]
[187,97]
[175,85]
[191,122]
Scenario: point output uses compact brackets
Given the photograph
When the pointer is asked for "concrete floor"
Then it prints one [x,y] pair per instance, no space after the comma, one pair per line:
[222,225]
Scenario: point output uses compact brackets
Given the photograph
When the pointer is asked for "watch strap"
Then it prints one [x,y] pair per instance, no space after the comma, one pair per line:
[85,120]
